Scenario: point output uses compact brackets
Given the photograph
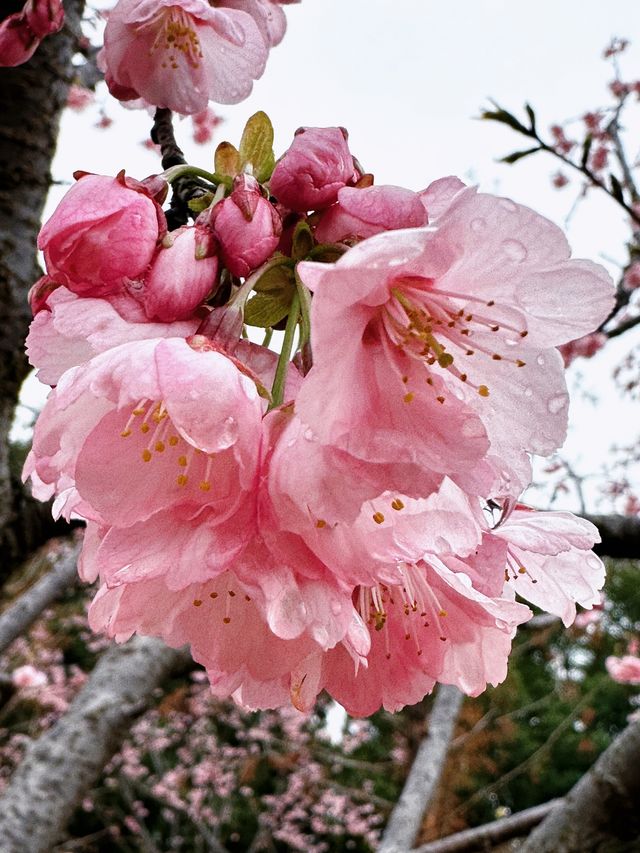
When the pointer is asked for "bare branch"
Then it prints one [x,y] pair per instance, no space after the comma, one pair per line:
[61,765]
[406,818]
[489,834]
[601,811]
[18,618]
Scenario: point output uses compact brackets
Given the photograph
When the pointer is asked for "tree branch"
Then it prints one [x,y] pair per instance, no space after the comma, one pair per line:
[22,613]
[489,834]
[63,763]
[406,818]
[601,811]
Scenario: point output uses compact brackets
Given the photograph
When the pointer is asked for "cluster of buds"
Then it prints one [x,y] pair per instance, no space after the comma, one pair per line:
[22,32]
[343,514]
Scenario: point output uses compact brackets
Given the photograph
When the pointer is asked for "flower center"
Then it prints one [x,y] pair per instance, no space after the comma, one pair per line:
[176,34]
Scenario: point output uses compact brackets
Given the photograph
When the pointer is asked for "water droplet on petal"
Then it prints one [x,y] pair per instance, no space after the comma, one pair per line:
[540,360]
[309,434]
[528,392]
[558,403]
[478,225]
[510,342]
[514,250]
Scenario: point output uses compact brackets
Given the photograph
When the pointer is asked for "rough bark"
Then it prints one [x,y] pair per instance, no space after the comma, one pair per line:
[407,815]
[485,837]
[31,99]
[17,619]
[601,814]
[61,765]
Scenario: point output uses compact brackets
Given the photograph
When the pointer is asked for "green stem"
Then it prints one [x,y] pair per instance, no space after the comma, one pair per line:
[175,172]
[267,337]
[242,294]
[277,392]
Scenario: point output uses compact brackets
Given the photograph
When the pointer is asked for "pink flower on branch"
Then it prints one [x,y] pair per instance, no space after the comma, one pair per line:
[180,54]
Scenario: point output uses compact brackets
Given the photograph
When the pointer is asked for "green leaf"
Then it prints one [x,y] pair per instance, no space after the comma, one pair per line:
[267,309]
[302,242]
[227,160]
[532,117]
[278,277]
[256,146]
[616,189]
[586,148]
[197,205]
[519,155]
[504,117]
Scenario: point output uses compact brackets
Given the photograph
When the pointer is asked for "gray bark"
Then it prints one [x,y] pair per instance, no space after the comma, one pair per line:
[62,764]
[17,618]
[485,837]
[406,818]
[602,811]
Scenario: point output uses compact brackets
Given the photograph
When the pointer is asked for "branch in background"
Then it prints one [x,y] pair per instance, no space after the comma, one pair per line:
[17,619]
[486,836]
[620,536]
[601,811]
[407,816]
[63,763]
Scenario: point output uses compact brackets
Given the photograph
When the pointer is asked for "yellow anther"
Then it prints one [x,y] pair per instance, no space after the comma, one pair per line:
[159,446]
[181,479]
[445,359]
[442,613]
[520,363]
[408,397]
[173,440]
[483,391]
[397,504]
[320,523]
[146,455]
[522,570]
[138,411]
[205,486]
[182,461]
[144,428]
[378,517]
[125,433]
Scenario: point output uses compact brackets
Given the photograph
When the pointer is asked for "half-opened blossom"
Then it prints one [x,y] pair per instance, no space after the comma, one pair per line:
[549,562]
[311,172]
[102,236]
[180,54]
[361,213]
[22,32]
[461,317]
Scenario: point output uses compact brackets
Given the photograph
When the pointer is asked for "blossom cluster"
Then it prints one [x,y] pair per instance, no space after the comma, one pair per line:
[346,519]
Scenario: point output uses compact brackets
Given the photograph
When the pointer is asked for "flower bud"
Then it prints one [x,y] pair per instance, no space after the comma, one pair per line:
[364,212]
[310,173]
[246,226]
[102,235]
[40,292]
[178,280]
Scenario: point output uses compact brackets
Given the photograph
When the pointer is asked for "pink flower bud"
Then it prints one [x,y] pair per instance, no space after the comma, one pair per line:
[364,212]
[102,235]
[246,226]
[40,292]
[311,172]
[178,280]
[22,32]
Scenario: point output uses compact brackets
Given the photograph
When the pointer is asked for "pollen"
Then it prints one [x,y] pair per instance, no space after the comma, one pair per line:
[146,455]
[144,427]
[125,433]
[159,447]
[182,461]
[483,391]
[408,397]
[173,440]
[182,480]
[320,523]
[397,504]
[378,517]
[205,486]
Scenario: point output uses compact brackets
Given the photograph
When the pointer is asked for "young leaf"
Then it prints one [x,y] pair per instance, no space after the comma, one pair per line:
[586,148]
[532,117]
[616,189]
[519,155]
[227,160]
[256,146]
[267,309]
[302,242]
[504,117]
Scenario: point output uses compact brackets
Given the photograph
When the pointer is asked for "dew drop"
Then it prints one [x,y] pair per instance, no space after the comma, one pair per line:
[514,250]
[478,225]
[510,342]
[528,392]
[558,403]
[540,360]
[309,434]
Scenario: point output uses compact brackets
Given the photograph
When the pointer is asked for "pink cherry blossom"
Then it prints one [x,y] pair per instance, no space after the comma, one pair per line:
[364,212]
[316,166]
[28,676]
[246,226]
[22,32]
[432,325]
[102,236]
[624,670]
[549,560]
[181,54]
[180,278]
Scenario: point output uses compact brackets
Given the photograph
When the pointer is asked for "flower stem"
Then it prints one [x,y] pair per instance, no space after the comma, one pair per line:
[174,172]
[277,392]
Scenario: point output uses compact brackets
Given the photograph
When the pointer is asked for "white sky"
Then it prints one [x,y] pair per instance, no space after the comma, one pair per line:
[407,78]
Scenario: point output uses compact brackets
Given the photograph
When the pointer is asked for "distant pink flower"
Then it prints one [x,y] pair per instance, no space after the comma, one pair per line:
[22,32]
[312,171]
[361,213]
[179,278]
[632,276]
[246,226]
[455,323]
[79,97]
[28,676]
[103,235]
[584,347]
[549,560]
[181,54]
[559,180]
[624,670]
[204,125]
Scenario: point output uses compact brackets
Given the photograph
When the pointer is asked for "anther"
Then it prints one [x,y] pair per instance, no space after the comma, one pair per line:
[197,602]
[378,517]
[320,523]
[483,391]
[408,397]
[397,504]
